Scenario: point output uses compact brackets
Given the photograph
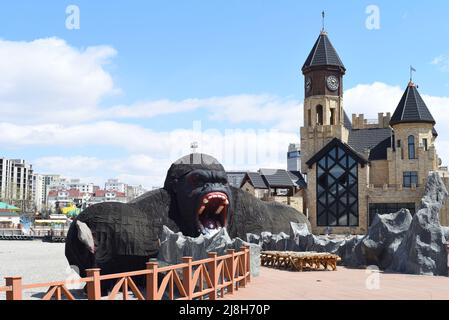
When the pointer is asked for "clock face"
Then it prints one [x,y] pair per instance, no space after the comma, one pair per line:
[332,83]
[308,84]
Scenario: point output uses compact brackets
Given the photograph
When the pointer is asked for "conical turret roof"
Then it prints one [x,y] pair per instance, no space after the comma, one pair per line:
[411,108]
[323,54]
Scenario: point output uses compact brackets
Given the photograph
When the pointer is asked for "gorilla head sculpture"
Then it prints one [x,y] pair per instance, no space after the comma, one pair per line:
[202,196]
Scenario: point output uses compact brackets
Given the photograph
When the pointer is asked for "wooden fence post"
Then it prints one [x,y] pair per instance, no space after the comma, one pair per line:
[213,275]
[248,263]
[94,287]
[231,268]
[152,280]
[187,277]
[243,260]
[16,290]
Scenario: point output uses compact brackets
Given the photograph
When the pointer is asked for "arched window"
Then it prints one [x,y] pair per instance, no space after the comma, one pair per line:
[411,147]
[319,115]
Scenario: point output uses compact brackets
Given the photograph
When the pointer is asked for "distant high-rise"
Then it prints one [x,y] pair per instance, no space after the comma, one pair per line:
[38,191]
[294,157]
[16,182]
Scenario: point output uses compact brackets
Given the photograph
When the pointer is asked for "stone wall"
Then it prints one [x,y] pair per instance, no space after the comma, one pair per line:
[424,162]
[378,173]
[359,121]
[314,137]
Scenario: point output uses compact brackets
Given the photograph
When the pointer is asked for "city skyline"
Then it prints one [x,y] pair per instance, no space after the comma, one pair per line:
[129,88]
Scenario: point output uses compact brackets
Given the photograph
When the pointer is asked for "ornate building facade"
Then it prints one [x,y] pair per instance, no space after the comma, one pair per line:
[357,169]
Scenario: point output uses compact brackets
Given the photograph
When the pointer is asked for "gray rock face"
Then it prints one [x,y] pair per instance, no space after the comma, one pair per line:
[423,250]
[396,242]
[174,246]
[383,239]
[446,233]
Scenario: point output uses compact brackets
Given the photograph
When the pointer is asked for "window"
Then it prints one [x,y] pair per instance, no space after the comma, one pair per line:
[309,117]
[386,208]
[319,115]
[411,147]
[410,177]
[332,116]
[337,189]
[424,142]
[399,143]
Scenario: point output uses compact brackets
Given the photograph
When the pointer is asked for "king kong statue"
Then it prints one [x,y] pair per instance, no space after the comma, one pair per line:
[196,199]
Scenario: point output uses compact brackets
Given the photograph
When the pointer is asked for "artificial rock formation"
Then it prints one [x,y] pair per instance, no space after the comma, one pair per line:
[423,249]
[395,242]
[174,246]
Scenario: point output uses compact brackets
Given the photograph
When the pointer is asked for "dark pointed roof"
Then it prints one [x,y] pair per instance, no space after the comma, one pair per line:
[411,108]
[323,54]
[337,142]
[255,179]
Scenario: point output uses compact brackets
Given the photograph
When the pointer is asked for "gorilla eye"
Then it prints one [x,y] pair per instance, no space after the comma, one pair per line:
[195,179]
[222,180]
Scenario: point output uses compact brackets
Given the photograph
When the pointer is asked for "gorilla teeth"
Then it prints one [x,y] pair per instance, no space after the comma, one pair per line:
[200,212]
[205,201]
[219,210]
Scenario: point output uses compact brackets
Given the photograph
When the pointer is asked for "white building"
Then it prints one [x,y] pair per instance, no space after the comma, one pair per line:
[107,196]
[60,183]
[134,192]
[294,157]
[39,195]
[115,185]
[16,182]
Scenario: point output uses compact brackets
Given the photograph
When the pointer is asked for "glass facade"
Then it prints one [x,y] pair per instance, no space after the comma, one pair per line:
[337,189]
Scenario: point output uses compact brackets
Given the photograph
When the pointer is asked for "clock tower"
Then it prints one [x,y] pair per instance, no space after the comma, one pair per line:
[324,117]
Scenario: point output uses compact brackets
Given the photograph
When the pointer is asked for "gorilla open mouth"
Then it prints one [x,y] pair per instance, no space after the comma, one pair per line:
[212,212]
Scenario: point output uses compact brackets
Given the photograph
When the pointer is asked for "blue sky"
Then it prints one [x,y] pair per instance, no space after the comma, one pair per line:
[178,50]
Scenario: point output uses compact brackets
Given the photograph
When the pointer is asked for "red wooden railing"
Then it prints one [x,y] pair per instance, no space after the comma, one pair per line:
[209,278]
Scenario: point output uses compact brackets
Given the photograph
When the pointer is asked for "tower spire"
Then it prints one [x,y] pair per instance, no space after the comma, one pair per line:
[323,16]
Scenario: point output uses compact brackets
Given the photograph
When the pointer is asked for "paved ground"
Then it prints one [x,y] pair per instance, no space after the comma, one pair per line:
[344,284]
[35,261]
[38,261]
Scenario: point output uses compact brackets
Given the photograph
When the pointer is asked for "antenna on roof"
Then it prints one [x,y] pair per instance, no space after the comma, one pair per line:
[194,146]
[411,74]
[323,16]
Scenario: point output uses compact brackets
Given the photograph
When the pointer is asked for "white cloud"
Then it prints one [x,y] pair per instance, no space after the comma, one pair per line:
[371,99]
[442,62]
[48,80]
[263,109]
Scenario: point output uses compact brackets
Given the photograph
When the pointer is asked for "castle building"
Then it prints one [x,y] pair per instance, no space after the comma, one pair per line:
[357,169]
